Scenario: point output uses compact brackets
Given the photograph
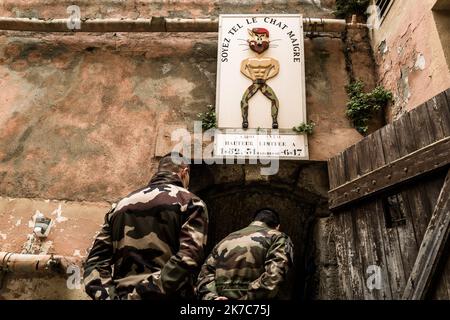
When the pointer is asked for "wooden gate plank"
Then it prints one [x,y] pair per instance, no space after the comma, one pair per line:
[397,278]
[447,95]
[341,170]
[431,248]
[432,187]
[381,246]
[420,142]
[440,283]
[426,126]
[351,233]
[420,195]
[422,127]
[354,265]
[387,243]
[447,274]
[404,134]
[391,153]
[444,293]
[339,224]
[332,167]
[351,162]
[363,228]
[412,199]
[440,115]
[342,256]
[428,191]
[422,161]
[369,226]
[421,212]
[361,214]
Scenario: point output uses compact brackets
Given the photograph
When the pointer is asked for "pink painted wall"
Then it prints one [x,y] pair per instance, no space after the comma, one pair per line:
[410,56]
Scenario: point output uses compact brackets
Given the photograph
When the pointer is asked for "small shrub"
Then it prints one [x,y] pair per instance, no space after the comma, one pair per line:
[305,128]
[208,118]
[362,106]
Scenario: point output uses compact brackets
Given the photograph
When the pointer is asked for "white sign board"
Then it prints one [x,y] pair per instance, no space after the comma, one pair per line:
[261,84]
[254,144]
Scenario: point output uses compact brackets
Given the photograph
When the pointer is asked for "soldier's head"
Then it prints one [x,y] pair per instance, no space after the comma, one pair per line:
[176,163]
[259,39]
[269,216]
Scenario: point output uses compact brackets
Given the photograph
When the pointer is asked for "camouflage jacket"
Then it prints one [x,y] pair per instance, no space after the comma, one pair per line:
[150,244]
[249,264]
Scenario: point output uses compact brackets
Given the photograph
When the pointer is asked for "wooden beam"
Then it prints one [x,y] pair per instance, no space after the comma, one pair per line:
[413,165]
[431,248]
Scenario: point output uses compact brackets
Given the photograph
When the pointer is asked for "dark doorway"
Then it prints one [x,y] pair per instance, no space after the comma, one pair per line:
[234,192]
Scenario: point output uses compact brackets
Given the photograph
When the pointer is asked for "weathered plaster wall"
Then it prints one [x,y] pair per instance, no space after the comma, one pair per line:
[84,116]
[80,113]
[410,55]
[74,227]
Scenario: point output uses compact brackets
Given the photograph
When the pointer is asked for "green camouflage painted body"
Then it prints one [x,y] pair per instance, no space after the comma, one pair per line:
[267,91]
[249,264]
[150,245]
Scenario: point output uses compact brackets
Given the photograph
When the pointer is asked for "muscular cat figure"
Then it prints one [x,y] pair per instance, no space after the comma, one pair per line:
[259,69]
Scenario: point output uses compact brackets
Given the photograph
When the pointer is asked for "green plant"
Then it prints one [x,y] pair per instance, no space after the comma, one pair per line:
[307,128]
[362,106]
[208,118]
[347,8]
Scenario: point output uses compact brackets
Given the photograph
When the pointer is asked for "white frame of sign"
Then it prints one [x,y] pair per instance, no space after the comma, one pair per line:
[232,131]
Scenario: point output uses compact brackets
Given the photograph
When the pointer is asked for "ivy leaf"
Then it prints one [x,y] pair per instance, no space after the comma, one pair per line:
[362,105]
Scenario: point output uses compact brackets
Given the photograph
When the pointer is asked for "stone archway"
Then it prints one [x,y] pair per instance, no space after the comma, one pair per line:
[298,192]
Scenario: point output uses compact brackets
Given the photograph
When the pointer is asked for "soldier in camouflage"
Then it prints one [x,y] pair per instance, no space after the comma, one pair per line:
[152,242]
[249,264]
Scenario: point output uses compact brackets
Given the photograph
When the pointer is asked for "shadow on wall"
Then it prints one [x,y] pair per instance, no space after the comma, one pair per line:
[234,192]
[441,14]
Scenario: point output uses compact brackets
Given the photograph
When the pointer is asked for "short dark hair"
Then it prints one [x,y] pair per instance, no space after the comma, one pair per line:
[173,162]
[268,216]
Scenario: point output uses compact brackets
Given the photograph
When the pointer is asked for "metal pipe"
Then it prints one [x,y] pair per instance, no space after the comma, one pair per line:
[154,24]
[30,263]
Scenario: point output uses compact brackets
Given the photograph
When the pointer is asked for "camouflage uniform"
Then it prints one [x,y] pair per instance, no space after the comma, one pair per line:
[154,239]
[257,85]
[249,264]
